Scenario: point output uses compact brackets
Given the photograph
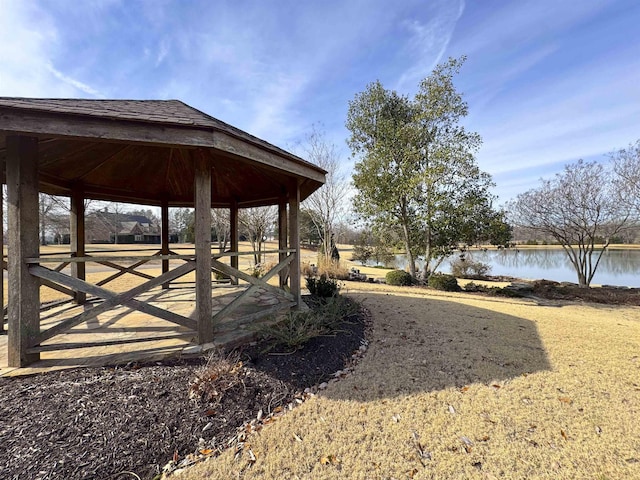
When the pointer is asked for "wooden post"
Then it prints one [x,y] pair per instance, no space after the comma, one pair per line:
[294,242]
[77,239]
[233,227]
[2,181]
[24,289]
[202,204]
[282,238]
[164,237]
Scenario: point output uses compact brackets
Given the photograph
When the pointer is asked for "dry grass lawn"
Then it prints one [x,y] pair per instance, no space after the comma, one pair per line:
[458,386]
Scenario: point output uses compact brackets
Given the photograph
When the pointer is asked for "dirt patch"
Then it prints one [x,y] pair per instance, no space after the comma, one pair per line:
[114,422]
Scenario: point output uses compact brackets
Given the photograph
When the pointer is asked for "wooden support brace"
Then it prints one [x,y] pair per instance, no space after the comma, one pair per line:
[112,299]
[230,308]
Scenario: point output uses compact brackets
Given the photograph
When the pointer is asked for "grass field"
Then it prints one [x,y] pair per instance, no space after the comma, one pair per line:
[456,386]
[462,386]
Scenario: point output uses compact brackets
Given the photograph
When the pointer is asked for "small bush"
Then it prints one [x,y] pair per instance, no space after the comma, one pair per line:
[468,268]
[293,331]
[333,270]
[441,281]
[297,328]
[399,278]
[322,287]
[221,373]
[308,270]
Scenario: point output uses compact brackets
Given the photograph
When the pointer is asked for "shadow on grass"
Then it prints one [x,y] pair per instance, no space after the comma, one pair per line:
[423,344]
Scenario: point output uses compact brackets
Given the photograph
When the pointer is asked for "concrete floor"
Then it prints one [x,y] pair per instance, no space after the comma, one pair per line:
[143,330]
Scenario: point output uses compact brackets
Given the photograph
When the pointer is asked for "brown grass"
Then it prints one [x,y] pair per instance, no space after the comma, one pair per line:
[455,386]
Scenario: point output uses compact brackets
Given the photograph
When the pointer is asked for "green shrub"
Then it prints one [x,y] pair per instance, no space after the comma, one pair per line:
[399,278]
[297,328]
[441,281]
[323,286]
[468,268]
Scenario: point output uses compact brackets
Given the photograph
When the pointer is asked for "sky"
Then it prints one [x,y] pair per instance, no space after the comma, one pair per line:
[547,82]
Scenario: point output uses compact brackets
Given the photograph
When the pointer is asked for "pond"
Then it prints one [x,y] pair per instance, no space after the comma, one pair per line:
[617,267]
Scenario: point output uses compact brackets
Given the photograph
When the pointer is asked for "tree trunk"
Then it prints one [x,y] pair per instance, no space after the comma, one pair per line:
[427,254]
[411,262]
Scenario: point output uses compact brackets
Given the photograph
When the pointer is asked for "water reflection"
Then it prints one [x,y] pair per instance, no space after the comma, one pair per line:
[617,267]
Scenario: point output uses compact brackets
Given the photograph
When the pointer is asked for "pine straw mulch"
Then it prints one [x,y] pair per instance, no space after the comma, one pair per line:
[130,422]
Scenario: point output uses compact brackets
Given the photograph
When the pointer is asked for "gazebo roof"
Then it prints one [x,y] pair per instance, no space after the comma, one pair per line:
[142,151]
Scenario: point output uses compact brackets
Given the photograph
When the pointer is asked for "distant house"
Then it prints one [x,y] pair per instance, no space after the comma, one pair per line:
[111,227]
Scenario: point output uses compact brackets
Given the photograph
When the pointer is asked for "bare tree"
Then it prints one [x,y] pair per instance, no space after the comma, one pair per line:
[577,208]
[626,165]
[257,223]
[51,207]
[220,226]
[327,205]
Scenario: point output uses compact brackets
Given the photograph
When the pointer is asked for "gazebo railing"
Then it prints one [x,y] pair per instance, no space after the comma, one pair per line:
[58,280]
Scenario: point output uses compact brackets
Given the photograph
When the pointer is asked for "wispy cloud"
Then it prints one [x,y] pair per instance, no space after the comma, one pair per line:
[428,41]
[28,41]
[74,83]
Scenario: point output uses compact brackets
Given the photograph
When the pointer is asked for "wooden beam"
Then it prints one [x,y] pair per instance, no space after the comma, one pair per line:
[164,236]
[24,289]
[80,126]
[108,304]
[2,176]
[294,241]
[241,148]
[103,343]
[122,270]
[202,204]
[233,228]
[77,239]
[250,279]
[282,238]
[48,277]
[231,307]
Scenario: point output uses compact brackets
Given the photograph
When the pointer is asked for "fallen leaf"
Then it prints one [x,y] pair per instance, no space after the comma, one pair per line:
[277,409]
[564,435]
[566,400]
[206,451]
[496,386]
[210,413]
[485,438]
[176,457]
[328,459]
[412,473]
[464,389]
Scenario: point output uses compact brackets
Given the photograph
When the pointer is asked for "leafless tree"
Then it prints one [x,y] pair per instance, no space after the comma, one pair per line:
[256,224]
[220,226]
[577,208]
[51,208]
[626,165]
[328,204]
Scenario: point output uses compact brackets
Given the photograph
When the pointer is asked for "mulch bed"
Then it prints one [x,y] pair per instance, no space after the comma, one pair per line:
[607,295]
[125,422]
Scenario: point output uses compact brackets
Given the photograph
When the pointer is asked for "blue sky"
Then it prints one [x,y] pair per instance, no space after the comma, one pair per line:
[547,81]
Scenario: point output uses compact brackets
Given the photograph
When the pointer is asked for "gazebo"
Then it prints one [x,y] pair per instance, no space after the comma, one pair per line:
[151,152]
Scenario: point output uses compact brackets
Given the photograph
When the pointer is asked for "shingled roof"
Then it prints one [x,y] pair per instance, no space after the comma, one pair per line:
[140,151]
[168,112]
